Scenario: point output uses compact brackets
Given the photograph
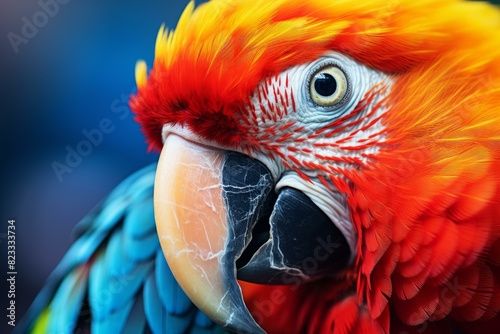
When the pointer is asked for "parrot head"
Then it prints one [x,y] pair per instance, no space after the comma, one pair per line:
[320,151]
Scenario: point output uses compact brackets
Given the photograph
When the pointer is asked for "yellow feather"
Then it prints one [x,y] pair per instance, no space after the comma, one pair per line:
[141,76]
[161,48]
[42,322]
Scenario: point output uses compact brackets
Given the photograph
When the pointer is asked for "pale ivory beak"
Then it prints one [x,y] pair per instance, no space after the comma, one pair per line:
[193,228]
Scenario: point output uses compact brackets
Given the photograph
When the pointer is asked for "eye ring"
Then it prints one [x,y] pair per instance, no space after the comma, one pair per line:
[328,86]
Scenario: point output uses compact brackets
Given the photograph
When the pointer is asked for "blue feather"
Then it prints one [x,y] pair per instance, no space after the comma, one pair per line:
[140,250]
[114,322]
[139,222]
[117,265]
[66,303]
[136,322]
[170,293]
[158,317]
[113,282]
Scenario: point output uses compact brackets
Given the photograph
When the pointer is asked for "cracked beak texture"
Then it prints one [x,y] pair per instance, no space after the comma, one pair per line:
[191,219]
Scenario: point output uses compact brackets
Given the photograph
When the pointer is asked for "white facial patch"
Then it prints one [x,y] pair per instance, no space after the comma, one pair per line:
[341,136]
[317,141]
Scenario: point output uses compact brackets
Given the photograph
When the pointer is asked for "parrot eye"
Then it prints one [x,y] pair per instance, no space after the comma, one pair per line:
[328,86]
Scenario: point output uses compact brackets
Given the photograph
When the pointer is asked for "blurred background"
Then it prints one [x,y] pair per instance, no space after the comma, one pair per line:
[67,68]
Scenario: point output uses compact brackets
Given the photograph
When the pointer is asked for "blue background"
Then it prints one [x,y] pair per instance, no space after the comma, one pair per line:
[77,70]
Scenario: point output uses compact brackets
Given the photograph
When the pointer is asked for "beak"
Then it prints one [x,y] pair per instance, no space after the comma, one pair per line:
[219,220]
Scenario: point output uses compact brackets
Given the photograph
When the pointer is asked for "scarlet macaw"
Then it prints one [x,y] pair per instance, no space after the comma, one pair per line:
[341,156]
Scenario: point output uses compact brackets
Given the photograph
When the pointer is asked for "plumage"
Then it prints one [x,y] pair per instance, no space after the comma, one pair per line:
[406,165]
[425,207]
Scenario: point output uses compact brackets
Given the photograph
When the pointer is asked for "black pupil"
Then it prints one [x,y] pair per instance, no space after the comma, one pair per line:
[325,84]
